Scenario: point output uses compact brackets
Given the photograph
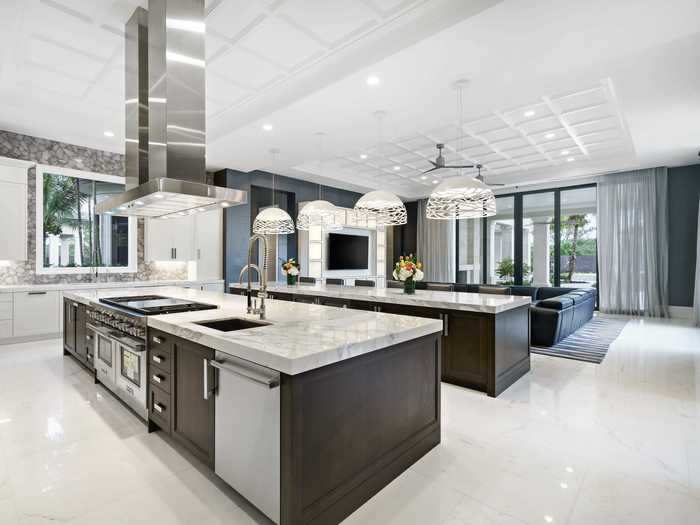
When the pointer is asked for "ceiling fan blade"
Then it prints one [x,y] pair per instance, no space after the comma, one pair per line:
[494,184]
[431,169]
[460,167]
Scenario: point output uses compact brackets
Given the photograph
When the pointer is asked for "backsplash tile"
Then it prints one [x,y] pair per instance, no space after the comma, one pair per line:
[44,151]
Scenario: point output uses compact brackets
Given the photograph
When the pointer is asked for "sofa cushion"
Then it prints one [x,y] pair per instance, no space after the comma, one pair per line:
[530,291]
[557,303]
[496,290]
[547,292]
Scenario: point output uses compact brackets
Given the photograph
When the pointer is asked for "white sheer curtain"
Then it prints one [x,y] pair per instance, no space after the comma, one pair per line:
[633,243]
[436,246]
[696,301]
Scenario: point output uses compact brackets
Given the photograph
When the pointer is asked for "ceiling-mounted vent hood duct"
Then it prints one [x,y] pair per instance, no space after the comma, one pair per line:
[165,116]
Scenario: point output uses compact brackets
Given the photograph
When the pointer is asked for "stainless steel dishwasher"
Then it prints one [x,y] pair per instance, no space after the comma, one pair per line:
[247,434]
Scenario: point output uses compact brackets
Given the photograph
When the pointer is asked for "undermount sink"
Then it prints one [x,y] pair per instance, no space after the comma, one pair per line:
[232,324]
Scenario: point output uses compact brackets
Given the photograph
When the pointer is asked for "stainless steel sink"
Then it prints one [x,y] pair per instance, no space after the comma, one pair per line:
[232,324]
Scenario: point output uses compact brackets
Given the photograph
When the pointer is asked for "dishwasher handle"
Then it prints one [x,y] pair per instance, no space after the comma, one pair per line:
[266,380]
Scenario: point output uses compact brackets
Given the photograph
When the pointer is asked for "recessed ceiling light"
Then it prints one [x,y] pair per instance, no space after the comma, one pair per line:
[564,485]
[549,519]
[435,181]
[529,113]
[267,127]
[139,203]
[549,136]
[363,156]
[570,159]
[373,80]
[423,177]
[109,212]
[565,152]
[122,207]
[397,168]
[224,204]
[109,134]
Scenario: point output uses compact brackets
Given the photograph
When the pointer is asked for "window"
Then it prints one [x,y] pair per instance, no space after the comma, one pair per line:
[469,251]
[500,242]
[71,237]
[538,239]
[578,253]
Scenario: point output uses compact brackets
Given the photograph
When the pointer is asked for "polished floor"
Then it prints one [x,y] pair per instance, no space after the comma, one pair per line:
[576,443]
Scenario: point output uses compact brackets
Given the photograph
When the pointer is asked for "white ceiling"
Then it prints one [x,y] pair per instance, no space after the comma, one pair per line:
[616,82]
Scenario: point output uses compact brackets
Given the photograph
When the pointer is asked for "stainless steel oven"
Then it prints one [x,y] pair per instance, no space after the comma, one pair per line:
[131,375]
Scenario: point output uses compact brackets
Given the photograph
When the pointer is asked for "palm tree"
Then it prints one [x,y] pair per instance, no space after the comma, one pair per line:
[58,204]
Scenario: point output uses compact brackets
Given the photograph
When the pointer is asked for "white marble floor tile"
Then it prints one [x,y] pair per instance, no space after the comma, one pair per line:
[571,443]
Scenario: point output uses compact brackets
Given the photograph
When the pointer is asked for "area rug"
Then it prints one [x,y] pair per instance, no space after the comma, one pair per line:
[589,343]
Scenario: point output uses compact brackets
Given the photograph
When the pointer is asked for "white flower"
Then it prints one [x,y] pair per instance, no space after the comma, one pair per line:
[404,274]
[418,276]
[293,271]
[396,276]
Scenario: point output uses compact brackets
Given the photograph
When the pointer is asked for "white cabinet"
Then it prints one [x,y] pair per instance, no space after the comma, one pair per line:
[208,242]
[13,203]
[169,239]
[35,313]
[5,315]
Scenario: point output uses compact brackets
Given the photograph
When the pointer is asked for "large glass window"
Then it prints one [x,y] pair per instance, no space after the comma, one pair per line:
[578,254]
[72,237]
[469,252]
[538,239]
[500,235]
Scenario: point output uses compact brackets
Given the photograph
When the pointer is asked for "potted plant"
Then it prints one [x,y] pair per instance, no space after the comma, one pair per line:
[408,270]
[291,269]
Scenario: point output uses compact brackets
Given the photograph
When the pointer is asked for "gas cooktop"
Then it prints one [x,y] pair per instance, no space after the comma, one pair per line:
[155,304]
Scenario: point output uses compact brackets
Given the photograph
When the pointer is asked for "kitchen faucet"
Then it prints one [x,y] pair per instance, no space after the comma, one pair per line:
[262,294]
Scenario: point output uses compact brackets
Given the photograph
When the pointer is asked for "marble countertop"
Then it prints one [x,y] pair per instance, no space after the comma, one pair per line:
[468,302]
[299,338]
[92,286]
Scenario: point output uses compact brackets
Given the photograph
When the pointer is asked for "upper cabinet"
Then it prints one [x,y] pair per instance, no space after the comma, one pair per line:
[13,202]
[195,238]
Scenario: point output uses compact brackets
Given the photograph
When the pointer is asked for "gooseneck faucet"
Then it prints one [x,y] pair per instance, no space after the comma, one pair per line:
[262,294]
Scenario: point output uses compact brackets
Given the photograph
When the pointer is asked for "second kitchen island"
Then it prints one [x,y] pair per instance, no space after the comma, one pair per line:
[308,413]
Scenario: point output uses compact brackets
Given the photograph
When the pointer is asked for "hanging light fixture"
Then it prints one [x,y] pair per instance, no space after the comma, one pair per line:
[462,197]
[319,213]
[273,220]
[385,208]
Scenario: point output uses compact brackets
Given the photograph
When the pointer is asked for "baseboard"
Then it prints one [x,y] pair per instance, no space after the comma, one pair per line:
[29,338]
[680,312]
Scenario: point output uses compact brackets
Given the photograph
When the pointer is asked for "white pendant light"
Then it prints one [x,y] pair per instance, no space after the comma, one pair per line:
[319,213]
[274,220]
[461,197]
[381,206]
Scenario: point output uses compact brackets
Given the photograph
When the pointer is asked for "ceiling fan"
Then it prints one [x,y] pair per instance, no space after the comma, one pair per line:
[439,163]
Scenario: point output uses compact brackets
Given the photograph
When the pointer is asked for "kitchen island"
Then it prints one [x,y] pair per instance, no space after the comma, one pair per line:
[485,337]
[307,413]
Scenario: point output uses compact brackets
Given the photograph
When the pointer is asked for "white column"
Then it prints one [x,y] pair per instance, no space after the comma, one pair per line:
[540,262]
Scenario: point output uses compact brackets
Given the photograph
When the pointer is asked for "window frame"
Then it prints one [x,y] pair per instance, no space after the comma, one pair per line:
[42,169]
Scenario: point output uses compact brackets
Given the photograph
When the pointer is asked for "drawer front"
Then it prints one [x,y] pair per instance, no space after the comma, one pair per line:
[160,351]
[5,297]
[5,311]
[160,379]
[159,408]
[36,313]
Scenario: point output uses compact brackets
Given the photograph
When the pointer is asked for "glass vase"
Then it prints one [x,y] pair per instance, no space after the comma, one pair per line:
[409,286]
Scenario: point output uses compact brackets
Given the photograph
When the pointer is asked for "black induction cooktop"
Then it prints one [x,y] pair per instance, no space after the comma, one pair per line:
[155,304]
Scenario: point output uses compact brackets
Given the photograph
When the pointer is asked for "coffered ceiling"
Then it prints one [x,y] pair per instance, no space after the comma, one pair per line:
[614,85]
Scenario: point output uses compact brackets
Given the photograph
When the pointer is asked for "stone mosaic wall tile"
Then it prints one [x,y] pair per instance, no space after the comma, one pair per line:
[44,151]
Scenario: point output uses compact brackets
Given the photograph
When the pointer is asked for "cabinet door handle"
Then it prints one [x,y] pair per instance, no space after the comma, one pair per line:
[199,253]
[206,379]
[157,359]
[36,293]
[158,408]
[445,324]
[157,340]
[157,378]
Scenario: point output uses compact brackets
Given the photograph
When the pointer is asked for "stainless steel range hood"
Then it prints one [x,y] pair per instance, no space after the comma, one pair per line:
[165,116]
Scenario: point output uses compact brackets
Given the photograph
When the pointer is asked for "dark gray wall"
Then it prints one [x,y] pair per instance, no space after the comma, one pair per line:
[683,195]
[239,219]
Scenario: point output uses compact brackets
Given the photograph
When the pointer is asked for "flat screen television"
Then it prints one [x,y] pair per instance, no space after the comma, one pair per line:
[348,252]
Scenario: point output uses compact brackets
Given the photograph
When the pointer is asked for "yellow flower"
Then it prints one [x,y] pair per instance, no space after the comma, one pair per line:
[419,265]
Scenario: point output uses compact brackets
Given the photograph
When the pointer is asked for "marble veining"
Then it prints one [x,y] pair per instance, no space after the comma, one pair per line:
[299,338]
[468,302]
[104,285]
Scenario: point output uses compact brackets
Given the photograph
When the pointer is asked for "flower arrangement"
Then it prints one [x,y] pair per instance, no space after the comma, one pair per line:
[408,270]
[291,269]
